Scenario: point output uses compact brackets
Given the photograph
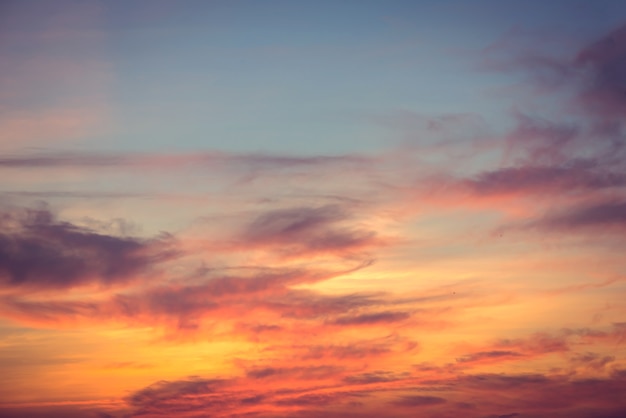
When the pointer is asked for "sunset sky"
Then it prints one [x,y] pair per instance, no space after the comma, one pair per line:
[347,208]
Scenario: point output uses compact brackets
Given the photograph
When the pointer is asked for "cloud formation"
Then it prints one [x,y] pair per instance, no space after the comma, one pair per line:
[39,253]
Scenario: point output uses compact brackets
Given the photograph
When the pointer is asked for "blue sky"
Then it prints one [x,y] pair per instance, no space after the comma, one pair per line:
[287,76]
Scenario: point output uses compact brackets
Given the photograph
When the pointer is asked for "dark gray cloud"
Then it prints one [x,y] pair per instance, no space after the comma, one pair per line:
[603,64]
[380,376]
[486,355]
[576,154]
[372,318]
[59,412]
[538,395]
[64,160]
[38,252]
[210,159]
[571,177]
[306,373]
[593,360]
[413,401]
[503,381]
[475,395]
[315,400]
[605,214]
[164,390]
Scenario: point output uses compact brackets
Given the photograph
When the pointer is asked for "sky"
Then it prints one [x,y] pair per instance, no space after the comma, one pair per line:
[308,209]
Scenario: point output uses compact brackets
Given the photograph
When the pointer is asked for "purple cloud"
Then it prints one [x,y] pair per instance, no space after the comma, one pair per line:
[37,252]
[574,176]
[486,355]
[305,230]
[413,401]
[603,65]
[164,391]
[372,318]
[607,214]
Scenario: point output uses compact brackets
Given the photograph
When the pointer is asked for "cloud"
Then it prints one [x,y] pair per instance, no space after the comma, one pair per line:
[250,163]
[50,311]
[537,343]
[592,361]
[558,395]
[55,194]
[616,334]
[212,297]
[533,395]
[413,401]
[354,350]
[300,373]
[570,159]
[90,160]
[538,141]
[476,395]
[603,66]
[518,349]
[315,400]
[375,377]
[604,214]
[504,382]
[308,230]
[186,303]
[571,177]
[488,355]
[307,304]
[593,75]
[60,411]
[194,395]
[372,318]
[38,252]
[163,391]
[545,156]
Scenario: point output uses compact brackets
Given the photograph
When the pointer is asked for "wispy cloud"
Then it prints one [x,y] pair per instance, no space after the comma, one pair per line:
[605,215]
